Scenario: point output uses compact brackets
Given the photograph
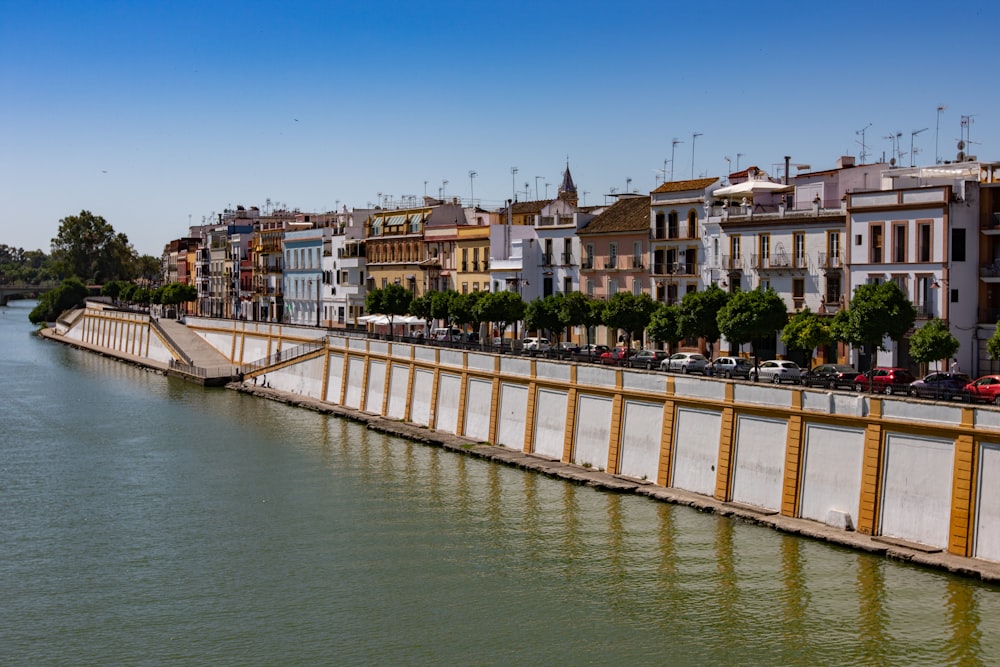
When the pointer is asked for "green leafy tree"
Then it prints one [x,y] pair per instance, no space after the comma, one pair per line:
[580,310]
[546,314]
[993,344]
[933,342]
[699,314]
[451,307]
[500,308]
[876,312]
[391,300]
[70,294]
[806,331]
[665,324]
[148,269]
[87,246]
[421,307]
[750,317]
[114,288]
[629,313]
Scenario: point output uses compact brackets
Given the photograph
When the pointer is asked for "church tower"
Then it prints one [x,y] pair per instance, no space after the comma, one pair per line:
[567,190]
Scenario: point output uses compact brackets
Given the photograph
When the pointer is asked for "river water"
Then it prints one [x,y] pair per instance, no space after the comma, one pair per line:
[149,521]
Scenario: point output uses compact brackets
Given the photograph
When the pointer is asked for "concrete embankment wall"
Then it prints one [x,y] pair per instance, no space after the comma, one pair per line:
[118,332]
[895,468]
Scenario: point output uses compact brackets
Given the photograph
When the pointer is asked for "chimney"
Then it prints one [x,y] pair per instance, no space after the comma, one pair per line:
[845,161]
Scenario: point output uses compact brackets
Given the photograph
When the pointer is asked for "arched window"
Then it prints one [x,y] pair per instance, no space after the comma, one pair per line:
[692,225]
[661,226]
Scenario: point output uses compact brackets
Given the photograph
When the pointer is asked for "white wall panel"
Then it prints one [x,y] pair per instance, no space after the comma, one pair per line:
[916,495]
[832,460]
[695,459]
[513,408]
[375,393]
[399,377]
[477,409]
[550,422]
[759,461]
[641,434]
[355,378]
[420,408]
[593,430]
[449,386]
[987,535]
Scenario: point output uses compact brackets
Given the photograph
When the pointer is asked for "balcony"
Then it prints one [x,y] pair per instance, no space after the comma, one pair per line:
[546,259]
[732,263]
[989,315]
[567,258]
[611,263]
[636,264]
[587,264]
[830,262]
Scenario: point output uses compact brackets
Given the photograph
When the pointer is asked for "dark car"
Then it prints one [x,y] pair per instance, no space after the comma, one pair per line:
[830,375]
[730,367]
[884,380]
[648,359]
[945,386]
[986,388]
[591,352]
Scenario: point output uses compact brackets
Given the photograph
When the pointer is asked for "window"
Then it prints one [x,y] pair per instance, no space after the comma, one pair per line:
[899,242]
[958,245]
[465,288]
[612,256]
[612,287]
[833,249]
[692,225]
[475,259]
[465,259]
[636,287]
[588,262]
[833,290]
[637,254]
[875,249]
[734,251]
[660,231]
[923,241]
[798,292]
[672,225]
[567,285]
[799,248]
[590,287]
[764,248]
[567,257]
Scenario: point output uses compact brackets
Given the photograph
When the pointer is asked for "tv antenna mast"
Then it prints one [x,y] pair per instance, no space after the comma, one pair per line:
[864,147]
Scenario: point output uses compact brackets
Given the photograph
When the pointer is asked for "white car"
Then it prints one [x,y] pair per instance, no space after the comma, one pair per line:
[777,371]
[685,362]
[535,344]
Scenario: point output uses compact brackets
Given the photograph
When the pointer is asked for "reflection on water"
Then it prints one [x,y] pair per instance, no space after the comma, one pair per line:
[149,521]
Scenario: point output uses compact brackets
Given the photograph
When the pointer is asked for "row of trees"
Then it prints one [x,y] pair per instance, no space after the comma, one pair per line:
[877,312]
[72,291]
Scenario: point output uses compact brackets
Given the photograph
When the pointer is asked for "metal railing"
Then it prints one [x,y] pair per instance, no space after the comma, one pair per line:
[287,354]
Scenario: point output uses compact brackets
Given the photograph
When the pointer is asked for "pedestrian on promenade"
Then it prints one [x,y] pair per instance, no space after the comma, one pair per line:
[954,366]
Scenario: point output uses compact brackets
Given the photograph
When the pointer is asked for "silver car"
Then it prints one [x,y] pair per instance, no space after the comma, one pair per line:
[685,362]
[777,371]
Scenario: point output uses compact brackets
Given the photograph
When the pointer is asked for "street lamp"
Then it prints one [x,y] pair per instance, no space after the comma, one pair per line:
[694,138]
[472,188]
[673,147]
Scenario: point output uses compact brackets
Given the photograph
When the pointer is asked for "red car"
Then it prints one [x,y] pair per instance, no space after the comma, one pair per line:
[986,389]
[617,356]
[884,380]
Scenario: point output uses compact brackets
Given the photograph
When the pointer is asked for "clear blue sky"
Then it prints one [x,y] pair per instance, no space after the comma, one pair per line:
[151,113]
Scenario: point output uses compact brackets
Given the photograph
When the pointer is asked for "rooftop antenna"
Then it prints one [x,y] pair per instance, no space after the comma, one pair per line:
[585,193]
[913,152]
[472,188]
[628,184]
[513,187]
[673,147]
[966,122]
[536,185]
[738,156]
[694,137]
[937,132]
[864,146]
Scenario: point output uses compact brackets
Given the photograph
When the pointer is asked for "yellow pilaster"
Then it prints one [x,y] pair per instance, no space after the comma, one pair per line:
[432,422]
[793,464]
[463,400]
[666,444]
[495,400]
[529,417]
[615,444]
[408,412]
[871,472]
[963,497]
[724,472]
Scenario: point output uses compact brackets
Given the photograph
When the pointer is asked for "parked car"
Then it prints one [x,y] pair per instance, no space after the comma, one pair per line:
[986,389]
[592,352]
[567,347]
[446,334]
[535,344]
[617,356]
[685,362]
[830,375]
[777,371]
[884,380]
[731,367]
[648,359]
[945,386]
